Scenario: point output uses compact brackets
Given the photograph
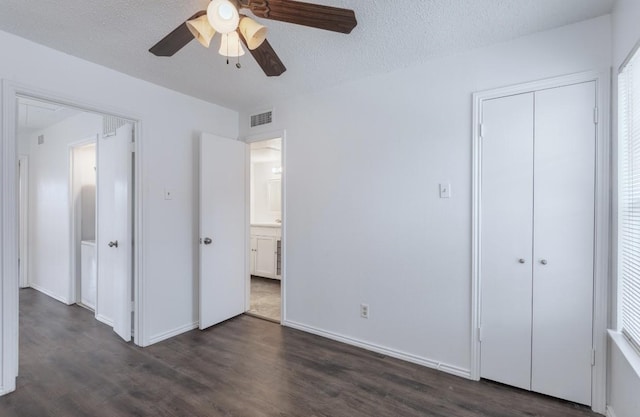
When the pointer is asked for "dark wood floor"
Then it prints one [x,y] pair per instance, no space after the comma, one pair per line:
[71,365]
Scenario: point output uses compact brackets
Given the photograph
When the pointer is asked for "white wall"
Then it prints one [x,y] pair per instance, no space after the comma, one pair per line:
[364,222]
[49,207]
[623,380]
[84,168]
[170,124]
[261,175]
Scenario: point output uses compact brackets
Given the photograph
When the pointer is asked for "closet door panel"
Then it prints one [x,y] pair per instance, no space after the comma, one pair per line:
[563,241]
[506,239]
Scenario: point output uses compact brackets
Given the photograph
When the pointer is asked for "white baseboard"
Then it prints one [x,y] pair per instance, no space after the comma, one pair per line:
[430,363]
[610,412]
[50,294]
[171,333]
[104,320]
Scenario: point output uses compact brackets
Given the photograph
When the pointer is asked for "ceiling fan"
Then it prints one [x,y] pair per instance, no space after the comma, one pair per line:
[224,17]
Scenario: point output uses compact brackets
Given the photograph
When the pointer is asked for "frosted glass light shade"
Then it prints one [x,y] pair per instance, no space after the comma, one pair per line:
[230,45]
[254,33]
[223,16]
[201,30]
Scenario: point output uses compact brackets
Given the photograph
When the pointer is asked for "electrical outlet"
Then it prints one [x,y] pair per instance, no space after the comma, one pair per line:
[364,311]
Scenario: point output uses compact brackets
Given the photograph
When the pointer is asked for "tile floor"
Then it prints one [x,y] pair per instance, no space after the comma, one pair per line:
[265,298]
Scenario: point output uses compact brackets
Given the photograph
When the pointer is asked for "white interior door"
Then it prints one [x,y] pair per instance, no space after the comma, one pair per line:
[564,242]
[223,229]
[506,239]
[115,238]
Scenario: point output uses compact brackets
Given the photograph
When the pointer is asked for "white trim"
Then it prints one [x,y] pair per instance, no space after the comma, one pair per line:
[602,247]
[9,235]
[171,333]
[627,350]
[282,134]
[55,296]
[23,213]
[8,215]
[610,412]
[104,319]
[602,226]
[139,329]
[429,363]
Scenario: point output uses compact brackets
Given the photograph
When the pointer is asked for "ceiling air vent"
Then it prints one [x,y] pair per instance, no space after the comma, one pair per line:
[40,139]
[262,118]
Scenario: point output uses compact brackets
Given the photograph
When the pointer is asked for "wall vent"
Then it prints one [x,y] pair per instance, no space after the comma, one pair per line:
[40,139]
[262,118]
[110,124]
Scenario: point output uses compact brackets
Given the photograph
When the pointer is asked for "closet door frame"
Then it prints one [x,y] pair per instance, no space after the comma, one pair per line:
[602,226]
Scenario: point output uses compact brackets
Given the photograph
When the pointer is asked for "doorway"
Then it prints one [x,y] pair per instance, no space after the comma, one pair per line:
[265,201]
[83,194]
[78,226]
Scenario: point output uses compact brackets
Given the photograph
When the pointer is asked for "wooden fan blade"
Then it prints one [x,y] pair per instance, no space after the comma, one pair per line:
[175,40]
[307,14]
[266,57]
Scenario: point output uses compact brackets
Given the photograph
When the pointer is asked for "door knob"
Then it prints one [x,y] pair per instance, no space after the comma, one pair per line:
[207,241]
[543,261]
[113,244]
[521,260]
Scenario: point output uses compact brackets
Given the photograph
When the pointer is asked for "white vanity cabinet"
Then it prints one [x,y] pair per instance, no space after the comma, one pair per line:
[266,259]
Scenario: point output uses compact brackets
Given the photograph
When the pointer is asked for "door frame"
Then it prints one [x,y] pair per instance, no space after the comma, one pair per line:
[282,134]
[9,277]
[602,227]
[74,288]
[23,215]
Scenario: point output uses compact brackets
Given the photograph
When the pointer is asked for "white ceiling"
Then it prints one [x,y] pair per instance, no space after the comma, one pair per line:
[389,35]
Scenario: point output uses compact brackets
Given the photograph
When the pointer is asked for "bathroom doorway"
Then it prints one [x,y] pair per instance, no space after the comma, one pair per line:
[265,197]
[83,222]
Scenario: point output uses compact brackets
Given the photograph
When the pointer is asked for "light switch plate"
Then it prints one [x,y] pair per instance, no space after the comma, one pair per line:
[445,190]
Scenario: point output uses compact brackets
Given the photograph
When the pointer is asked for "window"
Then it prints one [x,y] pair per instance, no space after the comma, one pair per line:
[629,200]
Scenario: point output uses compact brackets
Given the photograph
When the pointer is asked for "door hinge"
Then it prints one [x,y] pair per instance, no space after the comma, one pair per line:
[480,334]
[596,115]
[133,306]
[132,147]
[481,128]
[593,357]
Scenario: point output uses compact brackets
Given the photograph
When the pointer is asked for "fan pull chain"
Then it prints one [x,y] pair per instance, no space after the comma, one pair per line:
[227,35]
[238,63]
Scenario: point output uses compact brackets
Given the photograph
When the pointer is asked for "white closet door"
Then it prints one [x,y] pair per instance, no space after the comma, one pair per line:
[564,241]
[506,241]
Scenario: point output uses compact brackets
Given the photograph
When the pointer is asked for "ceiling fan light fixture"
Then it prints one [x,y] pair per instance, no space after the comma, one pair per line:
[253,32]
[223,16]
[230,45]
[201,30]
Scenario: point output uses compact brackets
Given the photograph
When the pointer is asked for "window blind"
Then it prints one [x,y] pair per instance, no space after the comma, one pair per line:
[629,195]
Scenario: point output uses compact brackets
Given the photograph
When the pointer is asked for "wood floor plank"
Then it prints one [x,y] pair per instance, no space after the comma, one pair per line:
[71,366]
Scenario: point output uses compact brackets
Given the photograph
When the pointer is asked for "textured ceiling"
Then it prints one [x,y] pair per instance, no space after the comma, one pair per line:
[389,35]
